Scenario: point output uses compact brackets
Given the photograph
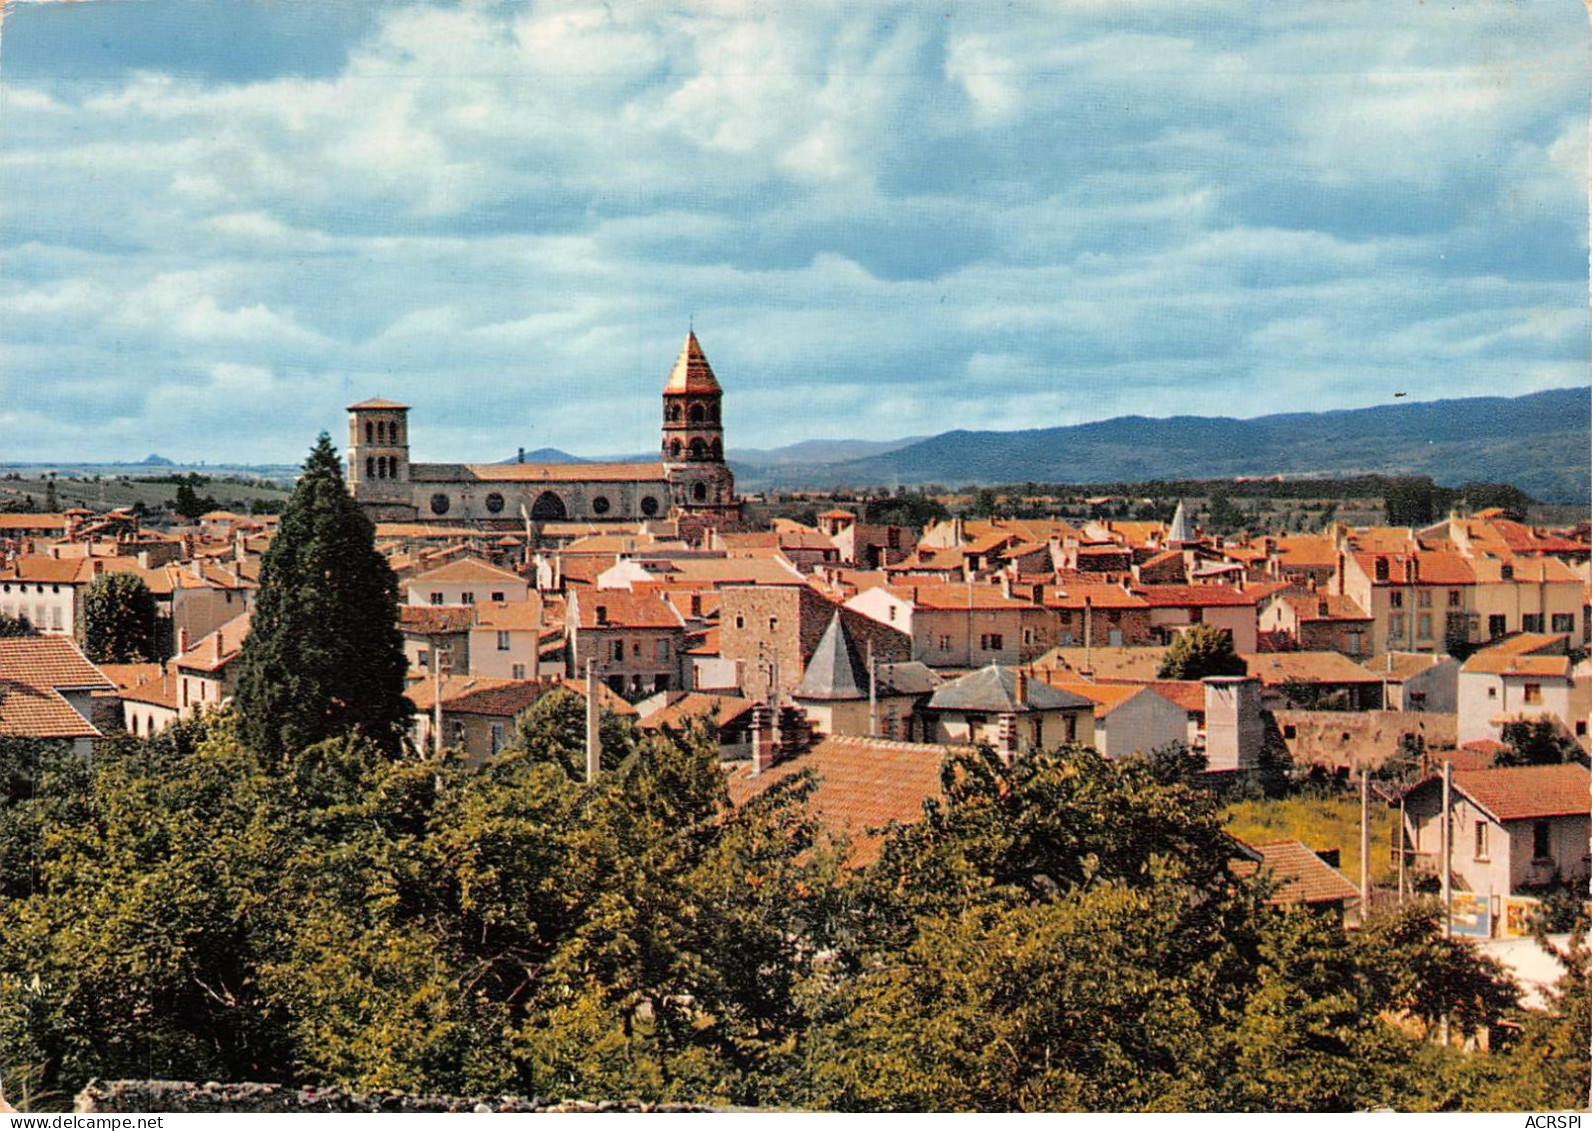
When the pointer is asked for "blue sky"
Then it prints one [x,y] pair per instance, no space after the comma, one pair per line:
[222,222]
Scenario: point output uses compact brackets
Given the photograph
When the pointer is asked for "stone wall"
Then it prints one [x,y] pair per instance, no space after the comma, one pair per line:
[175,1096]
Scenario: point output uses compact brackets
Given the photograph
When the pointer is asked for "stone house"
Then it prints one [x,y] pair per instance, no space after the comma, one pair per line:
[634,639]
[1007,710]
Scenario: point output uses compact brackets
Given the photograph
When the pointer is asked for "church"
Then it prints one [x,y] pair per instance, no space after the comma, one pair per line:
[690,480]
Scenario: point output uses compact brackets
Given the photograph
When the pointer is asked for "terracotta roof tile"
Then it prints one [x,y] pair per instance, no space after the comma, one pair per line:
[49,662]
[435,620]
[1524,792]
[1301,875]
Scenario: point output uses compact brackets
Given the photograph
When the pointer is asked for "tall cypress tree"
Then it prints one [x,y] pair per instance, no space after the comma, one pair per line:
[324,656]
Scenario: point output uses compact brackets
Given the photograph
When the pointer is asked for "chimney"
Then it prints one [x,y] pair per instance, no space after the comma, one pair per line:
[763,755]
[1020,691]
[1321,608]
[1342,562]
[1039,593]
[217,639]
[97,568]
[602,614]
[1006,585]
[182,642]
[521,457]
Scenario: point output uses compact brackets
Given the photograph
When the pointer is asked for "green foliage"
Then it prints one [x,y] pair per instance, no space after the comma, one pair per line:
[554,730]
[1322,822]
[1536,742]
[188,502]
[323,657]
[119,620]
[16,626]
[1058,932]
[1201,651]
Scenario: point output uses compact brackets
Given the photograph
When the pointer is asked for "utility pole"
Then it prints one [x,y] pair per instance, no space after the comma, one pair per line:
[1088,636]
[1447,850]
[1365,844]
[436,697]
[594,734]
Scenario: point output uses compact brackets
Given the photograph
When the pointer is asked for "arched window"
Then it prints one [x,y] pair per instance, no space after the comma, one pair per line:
[397,433]
[718,449]
[370,432]
[699,450]
[370,467]
[699,492]
[698,414]
[381,431]
[674,449]
[548,508]
[673,413]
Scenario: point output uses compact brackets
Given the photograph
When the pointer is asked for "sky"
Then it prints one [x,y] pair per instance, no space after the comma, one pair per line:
[222,222]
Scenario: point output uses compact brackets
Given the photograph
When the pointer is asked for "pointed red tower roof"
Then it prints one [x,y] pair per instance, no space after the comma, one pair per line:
[691,372]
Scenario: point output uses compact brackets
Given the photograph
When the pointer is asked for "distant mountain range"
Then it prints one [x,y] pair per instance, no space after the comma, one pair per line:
[1541,443]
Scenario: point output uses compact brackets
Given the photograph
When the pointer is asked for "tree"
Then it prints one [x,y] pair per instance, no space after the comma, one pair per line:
[1536,742]
[119,619]
[16,626]
[554,730]
[324,657]
[1199,652]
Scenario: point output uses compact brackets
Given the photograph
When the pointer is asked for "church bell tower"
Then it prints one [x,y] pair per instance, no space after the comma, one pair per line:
[693,436]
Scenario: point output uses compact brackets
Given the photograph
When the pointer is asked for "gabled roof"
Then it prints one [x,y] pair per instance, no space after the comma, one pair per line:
[691,372]
[1273,668]
[52,662]
[218,649]
[1195,596]
[834,672]
[686,705]
[1521,793]
[863,784]
[619,608]
[434,620]
[994,689]
[466,570]
[1301,876]
[376,402]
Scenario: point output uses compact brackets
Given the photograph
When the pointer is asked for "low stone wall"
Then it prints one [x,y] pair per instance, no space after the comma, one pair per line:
[175,1096]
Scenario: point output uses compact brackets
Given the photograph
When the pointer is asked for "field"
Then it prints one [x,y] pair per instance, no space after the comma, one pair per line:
[107,489]
[1321,823]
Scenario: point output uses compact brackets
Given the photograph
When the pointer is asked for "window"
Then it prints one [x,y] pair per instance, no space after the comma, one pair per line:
[635,650]
[773,623]
[467,598]
[439,503]
[945,643]
[1453,598]
[1564,622]
[1492,693]
[497,737]
[1395,626]
[494,503]
[1289,730]
[892,612]
[436,598]
[1423,626]
[1531,622]
[991,642]
[423,658]
[600,505]
[1354,644]
[517,671]
[497,597]
[1481,840]
[1423,598]
[1395,599]
[740,621]
[618,652]
[649,506]
[699,492]
[661,651]
[502,641]
[1541,842]
[1533,693]
[1497,625]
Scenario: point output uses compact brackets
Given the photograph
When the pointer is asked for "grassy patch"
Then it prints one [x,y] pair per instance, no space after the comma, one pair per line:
[1320,823]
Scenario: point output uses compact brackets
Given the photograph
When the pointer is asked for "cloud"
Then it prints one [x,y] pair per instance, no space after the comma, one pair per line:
[885,222]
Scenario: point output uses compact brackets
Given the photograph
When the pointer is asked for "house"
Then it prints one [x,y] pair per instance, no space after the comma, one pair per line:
[1514,829]
[770,633]
[1317,621]
[1417,681]
[634,639]
[835,695]
[1174,608]
[1130,719]
[466,581]
[478,713]
[962,625]
[1524,678]
[516,639]
[46,691]
[1344,742]
[436,632]
[1111,616]
[1314,681]
[1005,709]
[730,716]
[207,673]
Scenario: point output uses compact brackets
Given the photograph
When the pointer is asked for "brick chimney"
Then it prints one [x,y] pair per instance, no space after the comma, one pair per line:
[1020,691]
[182,642]
[217,639]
